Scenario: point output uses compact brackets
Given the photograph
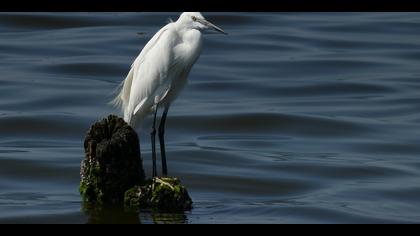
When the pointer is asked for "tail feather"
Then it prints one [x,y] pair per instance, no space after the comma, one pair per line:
[123,90]
[118,100]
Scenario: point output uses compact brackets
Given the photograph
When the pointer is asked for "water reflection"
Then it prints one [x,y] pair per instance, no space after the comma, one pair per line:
[109,215]
[163,218]
[120,215]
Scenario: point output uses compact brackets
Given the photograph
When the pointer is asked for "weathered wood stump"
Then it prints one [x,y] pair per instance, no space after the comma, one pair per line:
[112,172]
[112,162]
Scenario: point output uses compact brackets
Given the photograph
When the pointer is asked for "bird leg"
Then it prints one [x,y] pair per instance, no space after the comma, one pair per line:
[162,141]
[153,137]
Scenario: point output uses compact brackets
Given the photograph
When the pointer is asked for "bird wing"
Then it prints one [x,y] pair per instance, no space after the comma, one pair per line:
[123,97]
[164,88]
[139,105]
[150,82]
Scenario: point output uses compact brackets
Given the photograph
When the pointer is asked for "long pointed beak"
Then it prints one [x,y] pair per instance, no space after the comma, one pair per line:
[207,23]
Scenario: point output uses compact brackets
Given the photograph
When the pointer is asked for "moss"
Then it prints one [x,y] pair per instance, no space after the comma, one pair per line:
[161,194]
[84,190]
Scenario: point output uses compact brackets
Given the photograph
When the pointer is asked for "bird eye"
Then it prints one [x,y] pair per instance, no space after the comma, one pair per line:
[194,18]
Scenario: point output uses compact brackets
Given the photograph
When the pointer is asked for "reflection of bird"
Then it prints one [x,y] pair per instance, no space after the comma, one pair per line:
[160,72]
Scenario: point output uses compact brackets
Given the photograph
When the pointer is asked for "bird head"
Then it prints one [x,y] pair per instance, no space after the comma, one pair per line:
[194,20]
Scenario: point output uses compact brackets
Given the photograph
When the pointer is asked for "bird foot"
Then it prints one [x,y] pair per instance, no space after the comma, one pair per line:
[170,182]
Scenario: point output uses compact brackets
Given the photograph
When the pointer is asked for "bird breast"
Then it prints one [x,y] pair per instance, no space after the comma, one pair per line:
[190,47]
[186,54]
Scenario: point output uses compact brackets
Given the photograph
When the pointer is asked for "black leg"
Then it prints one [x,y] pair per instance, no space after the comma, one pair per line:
[162,141]
[153,137]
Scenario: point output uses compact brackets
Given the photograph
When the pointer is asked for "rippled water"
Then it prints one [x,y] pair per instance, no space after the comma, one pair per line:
[291,118]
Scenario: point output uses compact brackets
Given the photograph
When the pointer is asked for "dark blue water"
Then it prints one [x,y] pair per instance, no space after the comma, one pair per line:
[291,118]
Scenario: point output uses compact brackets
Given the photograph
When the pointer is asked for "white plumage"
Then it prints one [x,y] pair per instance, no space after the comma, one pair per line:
[160,72]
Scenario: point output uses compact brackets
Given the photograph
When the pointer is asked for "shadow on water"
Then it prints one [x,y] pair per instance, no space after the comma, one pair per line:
[120,215]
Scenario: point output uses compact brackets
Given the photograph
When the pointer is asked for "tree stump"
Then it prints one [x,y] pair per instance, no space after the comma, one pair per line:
[112,163]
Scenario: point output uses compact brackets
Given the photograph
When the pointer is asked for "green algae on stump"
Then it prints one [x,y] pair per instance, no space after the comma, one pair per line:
[112,163]
[161,193]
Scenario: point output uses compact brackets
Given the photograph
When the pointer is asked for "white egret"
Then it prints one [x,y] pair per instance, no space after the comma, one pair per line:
[160,72]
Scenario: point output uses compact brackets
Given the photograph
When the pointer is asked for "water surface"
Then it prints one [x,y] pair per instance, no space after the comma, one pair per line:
[291,118]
